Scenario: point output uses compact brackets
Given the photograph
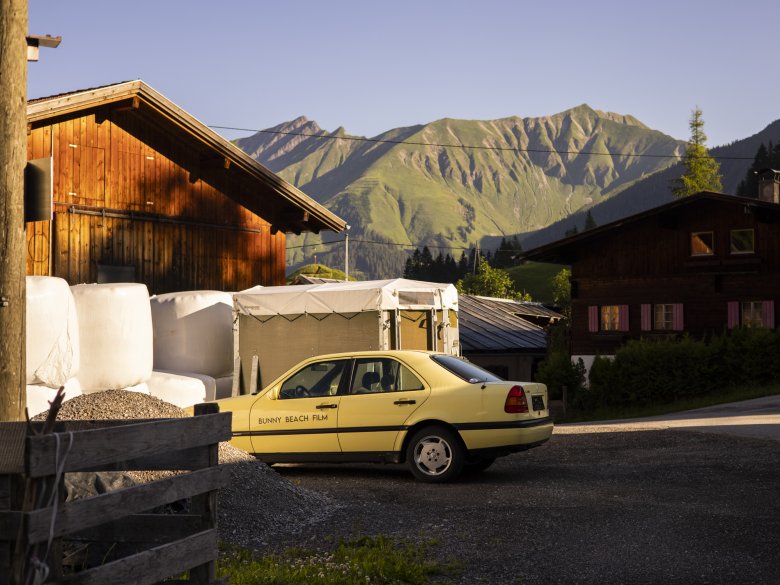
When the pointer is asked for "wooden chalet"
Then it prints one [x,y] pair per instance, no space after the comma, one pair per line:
[697,265]
[144,192]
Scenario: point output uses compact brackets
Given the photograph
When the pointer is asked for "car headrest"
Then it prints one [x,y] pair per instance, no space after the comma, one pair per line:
[370,378]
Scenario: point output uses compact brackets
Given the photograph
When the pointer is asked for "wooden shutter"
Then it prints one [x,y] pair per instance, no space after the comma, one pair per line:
[593,319]
[768,316]
[733,320]
[677,317]
[623,318]
[647,317]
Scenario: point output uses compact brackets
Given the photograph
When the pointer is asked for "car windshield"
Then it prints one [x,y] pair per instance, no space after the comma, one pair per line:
[466,370]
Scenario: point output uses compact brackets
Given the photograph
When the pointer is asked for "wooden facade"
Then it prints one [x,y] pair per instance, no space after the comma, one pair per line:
[685,267]
[144,192]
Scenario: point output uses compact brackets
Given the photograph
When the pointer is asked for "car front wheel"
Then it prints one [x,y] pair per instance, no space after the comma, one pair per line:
[435,455]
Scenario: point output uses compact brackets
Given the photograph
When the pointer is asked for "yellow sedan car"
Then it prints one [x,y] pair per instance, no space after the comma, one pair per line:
[438,413]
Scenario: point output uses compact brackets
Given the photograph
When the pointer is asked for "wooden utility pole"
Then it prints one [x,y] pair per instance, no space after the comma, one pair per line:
[13,157]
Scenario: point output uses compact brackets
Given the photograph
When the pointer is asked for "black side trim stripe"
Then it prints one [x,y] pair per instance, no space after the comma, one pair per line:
[320,431]
[339,457]
[481,426]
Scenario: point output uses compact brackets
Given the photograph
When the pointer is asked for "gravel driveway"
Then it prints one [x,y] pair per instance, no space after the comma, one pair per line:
[594,505]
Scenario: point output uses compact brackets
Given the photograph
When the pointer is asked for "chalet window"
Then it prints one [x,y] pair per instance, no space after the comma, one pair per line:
[702,243]
[608,318]
[662,317]
[742,241]
[751,314]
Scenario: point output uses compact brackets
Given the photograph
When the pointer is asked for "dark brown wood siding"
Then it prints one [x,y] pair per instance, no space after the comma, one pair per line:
[129,193]
[650,262]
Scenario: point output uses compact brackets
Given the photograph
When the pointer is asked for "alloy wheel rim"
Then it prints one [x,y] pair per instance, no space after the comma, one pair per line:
[433,455]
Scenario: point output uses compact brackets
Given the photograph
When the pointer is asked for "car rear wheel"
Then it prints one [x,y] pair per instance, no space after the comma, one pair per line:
[435,455]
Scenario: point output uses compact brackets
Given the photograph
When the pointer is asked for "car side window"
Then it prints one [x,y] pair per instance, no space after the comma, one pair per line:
[317,379]
[382,375]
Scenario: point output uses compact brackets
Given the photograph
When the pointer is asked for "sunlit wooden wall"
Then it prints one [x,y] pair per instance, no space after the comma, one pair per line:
[126,193]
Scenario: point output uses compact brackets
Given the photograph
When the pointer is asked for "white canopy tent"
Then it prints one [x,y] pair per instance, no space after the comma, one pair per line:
[347,297]
[282,325]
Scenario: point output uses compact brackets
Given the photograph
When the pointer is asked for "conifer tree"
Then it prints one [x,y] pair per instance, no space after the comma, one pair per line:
[590,223]
[702,172]
[748,187]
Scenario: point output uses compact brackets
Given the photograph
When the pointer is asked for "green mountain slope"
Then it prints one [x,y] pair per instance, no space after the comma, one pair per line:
[654,190]
[525,174]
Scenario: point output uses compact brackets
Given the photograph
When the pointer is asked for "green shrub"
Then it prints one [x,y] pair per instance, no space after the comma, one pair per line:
[558,371]
[658,371]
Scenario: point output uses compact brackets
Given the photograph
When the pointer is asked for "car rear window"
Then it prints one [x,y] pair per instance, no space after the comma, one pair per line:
[466,370]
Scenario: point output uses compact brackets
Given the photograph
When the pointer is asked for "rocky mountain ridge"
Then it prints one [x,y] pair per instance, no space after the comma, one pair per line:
[451,183]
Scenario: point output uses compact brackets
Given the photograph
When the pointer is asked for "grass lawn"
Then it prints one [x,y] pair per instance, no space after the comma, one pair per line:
[379,560]
[535,278]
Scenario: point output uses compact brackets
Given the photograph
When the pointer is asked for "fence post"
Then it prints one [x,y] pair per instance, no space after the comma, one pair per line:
[206,504]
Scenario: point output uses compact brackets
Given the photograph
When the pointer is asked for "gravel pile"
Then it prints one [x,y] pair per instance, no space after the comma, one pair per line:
[257,502]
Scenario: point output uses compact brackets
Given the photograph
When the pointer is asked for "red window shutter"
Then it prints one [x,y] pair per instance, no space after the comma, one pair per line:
[623,318]
[647,317]
[768,317]
[677,317]
[593,319]
[733,321]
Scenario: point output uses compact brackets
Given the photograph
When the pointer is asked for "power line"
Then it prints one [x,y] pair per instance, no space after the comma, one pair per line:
[473,147]
[395,244]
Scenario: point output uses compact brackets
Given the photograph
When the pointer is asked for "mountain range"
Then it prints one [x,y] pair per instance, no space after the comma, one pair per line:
[453,183]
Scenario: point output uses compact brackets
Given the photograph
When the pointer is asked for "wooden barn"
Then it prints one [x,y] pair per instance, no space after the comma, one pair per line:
[144,192]
[698,265]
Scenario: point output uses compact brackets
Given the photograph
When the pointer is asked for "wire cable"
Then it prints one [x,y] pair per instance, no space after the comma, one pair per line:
[476,147]
[396,244]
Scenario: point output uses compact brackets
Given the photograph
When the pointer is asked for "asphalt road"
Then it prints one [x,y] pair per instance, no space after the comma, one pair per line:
[758,418]
[600,503]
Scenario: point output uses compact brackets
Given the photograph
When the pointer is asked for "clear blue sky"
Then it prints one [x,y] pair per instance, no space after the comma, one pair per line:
[370,66]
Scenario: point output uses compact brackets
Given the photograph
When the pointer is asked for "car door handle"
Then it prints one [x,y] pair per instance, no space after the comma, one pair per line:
[405,402]
[323,406]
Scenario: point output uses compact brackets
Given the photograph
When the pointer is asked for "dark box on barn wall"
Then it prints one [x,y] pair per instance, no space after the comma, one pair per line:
[38,189]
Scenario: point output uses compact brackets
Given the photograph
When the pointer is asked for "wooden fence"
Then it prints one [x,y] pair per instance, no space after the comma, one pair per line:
[134,535]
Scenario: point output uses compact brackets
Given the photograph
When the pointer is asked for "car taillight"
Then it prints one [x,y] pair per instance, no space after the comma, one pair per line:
[516,401]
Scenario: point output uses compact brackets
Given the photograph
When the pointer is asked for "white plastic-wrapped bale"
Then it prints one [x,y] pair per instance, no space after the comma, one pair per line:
[193,332]
[115,332]
[182,389]
[142,388]
[52,343]
[224,387]
[39,397]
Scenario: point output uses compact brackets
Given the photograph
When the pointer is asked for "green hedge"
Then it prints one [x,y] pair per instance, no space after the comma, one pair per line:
[662,371]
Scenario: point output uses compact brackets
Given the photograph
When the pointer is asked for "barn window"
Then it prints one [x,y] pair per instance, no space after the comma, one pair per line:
[743,241]
[702,243]
[107,273]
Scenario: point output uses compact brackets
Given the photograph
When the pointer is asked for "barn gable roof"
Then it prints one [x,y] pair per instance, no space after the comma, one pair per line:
[284,205]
